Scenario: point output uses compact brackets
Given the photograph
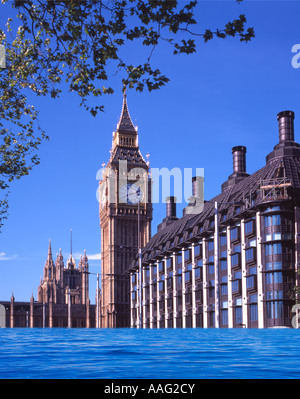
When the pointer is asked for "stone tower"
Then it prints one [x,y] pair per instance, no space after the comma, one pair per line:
[125,211]
[60,283]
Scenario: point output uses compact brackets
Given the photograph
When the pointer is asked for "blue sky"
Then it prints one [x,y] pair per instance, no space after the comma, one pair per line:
[227,94]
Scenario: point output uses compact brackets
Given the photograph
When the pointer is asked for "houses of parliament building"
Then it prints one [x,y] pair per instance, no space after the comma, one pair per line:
[234,264]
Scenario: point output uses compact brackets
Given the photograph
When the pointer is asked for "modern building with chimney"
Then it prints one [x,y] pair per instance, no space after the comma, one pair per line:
[234,264]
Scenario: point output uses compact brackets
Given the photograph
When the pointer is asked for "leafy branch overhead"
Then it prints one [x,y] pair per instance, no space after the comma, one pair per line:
[82,42]
[81,45]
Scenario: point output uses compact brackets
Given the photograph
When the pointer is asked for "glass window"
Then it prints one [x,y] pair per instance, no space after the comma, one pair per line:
[238,275]
[276,220]
[238,302]
[223,254]
[268,237]
[237,248]
[273,249]
[277,236]
[268,221]
[211,269]
[197,250]
[253,308]
[253,298]
[277,248]
[223,264]
[234,234]
[225,305]
[249,254]
[235,260]
[250,282]
[238,315]
[252,243]
[277,265]
[249,227]
[224,313]
[224,289]
[274,278]
[223,240]
[187,254]
[253,270]
[210,245]
[169,262]
[198,272]
[235,285]
[274,308]
[187,276]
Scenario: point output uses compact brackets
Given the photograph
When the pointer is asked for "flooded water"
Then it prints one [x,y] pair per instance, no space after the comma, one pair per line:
[149,354]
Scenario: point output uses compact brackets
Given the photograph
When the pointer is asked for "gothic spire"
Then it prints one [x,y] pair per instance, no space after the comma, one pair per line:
[125,123]
[49,258]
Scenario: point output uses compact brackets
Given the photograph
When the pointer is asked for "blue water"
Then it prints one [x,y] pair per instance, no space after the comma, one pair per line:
[149,354]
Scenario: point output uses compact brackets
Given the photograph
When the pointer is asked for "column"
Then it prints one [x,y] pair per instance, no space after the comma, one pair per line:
[194,309]
[244,274]
[131,300]
[144,315]
[229,283]
[174,292]
[260,295]
[183,291]
[216,267]
[158,315]
[12,311]
[151,297]
[297,262]
[31,311]
[87,317]
[139,300]
[166,293]
[205,286]
[51,311]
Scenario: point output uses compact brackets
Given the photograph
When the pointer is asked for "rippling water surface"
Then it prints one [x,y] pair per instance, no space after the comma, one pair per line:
[155,354]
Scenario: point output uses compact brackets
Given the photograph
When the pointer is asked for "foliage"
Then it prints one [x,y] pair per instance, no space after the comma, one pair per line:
[80,44]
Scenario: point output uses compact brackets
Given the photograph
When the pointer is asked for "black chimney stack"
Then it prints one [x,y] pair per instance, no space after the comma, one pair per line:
[171,213]
[239,159]
[197,186]
[239,167]
[286,126]
[287,147]
[171,207]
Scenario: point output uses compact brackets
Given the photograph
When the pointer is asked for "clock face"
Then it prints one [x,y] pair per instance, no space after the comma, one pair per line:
[131,194]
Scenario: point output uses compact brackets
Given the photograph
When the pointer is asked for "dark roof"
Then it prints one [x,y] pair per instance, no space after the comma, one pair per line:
[247,191]
[125,123]
[132,155]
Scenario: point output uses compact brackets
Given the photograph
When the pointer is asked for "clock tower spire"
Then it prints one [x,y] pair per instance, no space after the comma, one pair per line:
[125,190]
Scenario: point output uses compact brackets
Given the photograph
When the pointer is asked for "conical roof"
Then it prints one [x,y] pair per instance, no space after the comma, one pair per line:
[125,123]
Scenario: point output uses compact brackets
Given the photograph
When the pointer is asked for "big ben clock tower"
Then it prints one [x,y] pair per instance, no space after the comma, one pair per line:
[125,190]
